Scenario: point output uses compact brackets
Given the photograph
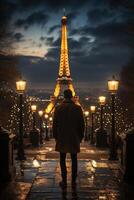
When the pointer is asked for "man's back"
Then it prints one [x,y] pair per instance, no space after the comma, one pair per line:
[68,131]
[68,127]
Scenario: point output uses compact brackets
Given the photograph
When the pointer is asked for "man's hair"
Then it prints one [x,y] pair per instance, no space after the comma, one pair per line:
[68,94]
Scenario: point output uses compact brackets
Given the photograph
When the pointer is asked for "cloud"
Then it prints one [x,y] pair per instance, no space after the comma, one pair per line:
[47,40]
[71,16]
[38,70]
[38,18]
[53,28]
[100,16]
[55,5]
[18,37]
[100,38]
[112,32]
[6,11]
[122,3]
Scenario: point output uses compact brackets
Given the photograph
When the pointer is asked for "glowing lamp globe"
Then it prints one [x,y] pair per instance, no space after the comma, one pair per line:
[86,113]
[113,85]
[40,112]
[102,100]
[20,86]
[92,108]
[46,116]
[50,119]
[33,108]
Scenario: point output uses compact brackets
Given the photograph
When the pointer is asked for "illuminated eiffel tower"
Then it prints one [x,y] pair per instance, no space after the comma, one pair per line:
[64,79]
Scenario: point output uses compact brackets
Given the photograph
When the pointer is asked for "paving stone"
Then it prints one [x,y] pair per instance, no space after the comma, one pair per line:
[98,178]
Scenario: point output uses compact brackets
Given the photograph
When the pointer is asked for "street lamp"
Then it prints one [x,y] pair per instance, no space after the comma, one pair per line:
[86,127]
[33,108]
[50,122]
[34,133]
[113,87]
[102,101]
[20,87]
[101,134]
[46,126]
[40,112]
[92,109]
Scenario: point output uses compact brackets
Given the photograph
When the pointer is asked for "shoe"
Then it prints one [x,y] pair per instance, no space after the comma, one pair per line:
[63,184]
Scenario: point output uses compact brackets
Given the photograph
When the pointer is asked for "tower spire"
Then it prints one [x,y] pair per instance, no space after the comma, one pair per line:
[64,76]
[64,70]
[64,11]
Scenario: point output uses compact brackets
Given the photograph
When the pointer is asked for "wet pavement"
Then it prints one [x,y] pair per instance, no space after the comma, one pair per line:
[38,177]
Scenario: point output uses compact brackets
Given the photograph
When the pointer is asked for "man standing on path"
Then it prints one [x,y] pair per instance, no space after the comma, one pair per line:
[68,131]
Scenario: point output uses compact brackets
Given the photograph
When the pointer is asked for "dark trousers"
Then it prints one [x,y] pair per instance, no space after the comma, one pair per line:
[63,166]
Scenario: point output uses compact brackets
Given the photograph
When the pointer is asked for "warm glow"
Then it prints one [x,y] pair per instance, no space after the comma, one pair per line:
[57,90]
[64,70]
[93,108]
[31,50]
[72,89]
[21,86]
[46,116]
[50,119]
[86,113]
[40,112]
[113,85]
[36,163]
[33,108]
[94,163]
[50,149]
[49,107]
[102,100]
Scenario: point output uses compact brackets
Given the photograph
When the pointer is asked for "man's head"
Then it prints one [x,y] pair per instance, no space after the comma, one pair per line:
[68,94]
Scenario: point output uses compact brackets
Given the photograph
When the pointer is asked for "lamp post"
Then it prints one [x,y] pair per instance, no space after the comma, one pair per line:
[40,112]
[46,127]
[50,121]
[102,101]
[101,134]
[86,127]
[113,87]
[33,108]
[34,133]
[92,109]
[20,87]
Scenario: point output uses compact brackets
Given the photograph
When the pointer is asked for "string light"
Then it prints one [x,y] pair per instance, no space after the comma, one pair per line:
[121,117]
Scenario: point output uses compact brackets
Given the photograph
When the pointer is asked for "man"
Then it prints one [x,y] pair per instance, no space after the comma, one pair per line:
[68,131]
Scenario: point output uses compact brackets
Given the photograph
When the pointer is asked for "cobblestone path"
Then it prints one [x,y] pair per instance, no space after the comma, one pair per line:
[98,178]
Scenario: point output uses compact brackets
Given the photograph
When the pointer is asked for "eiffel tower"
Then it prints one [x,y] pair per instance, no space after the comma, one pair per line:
[64,79]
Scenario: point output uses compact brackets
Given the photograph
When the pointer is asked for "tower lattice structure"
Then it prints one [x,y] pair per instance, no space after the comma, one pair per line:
[64,79]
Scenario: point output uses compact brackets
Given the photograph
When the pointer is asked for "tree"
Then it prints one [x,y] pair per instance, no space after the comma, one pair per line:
[8,70]
[127,88]
[8,66]
[6,10]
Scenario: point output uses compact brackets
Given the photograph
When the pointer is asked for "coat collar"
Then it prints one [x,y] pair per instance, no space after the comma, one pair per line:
[68,101]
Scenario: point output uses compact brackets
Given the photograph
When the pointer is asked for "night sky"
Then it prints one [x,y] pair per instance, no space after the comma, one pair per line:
[100,38]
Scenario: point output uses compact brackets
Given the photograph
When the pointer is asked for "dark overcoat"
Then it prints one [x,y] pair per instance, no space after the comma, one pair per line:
[68,127]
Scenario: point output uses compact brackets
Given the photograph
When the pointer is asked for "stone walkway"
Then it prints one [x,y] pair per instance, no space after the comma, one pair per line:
[98,179]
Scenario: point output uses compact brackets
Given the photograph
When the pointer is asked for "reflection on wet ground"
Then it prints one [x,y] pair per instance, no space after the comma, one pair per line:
[38,177]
